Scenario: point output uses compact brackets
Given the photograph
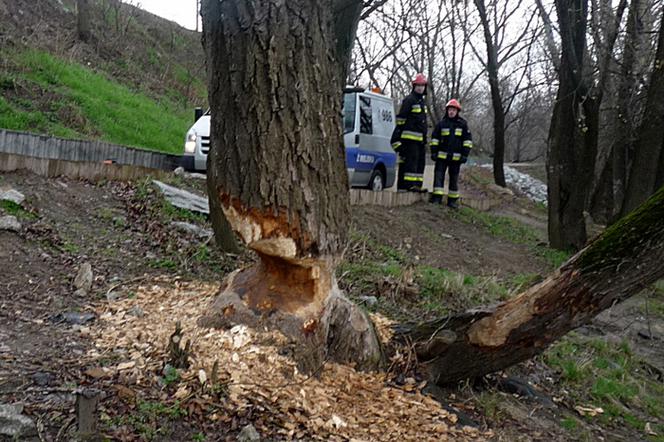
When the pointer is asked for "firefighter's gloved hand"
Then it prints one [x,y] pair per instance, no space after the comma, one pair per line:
[396,145]
[464,160]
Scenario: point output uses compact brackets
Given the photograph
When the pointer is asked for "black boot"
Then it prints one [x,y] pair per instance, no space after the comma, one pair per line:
[453,203]
[436,199]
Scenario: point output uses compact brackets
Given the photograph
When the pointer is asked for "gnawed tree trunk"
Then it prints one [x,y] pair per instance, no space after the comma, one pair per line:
[620,263]
[275,76]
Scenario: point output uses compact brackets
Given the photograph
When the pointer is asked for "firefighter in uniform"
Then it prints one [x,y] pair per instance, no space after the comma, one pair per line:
[451,142]
[409,137]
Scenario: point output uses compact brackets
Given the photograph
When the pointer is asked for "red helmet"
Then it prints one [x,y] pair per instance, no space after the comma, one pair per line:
[453,103]
[420,79]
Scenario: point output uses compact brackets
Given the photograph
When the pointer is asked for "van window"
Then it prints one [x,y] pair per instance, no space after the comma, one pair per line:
[349,112]
[365,115]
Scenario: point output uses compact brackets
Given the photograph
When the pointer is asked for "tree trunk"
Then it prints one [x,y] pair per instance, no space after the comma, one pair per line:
[496,99]
[606,26]
[84,18]
[619,264]
[224,237]
[569,165]
[275,72]
[648,146]
[624,129]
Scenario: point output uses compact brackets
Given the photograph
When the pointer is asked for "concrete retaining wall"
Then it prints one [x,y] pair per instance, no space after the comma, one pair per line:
[75,169]
[47,147]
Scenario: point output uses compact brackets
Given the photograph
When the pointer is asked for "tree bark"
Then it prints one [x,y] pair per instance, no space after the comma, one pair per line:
[648,146]
[569,164]
[224,237]
[624,117]
[275,72]
[606,26]
[496,99]
[619,264]
[84,20]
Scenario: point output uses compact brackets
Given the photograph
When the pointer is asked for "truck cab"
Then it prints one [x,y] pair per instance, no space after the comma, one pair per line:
[368,124]
[197,142]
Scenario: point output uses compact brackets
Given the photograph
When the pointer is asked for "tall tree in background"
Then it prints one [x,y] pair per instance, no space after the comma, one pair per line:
[276,70]
[608,195]
[84,20]
[505,82]
[650,139]
[570,162]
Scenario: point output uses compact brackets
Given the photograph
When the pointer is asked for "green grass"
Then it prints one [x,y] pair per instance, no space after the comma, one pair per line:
[513,231]
[148,417]
[554,257]
[610,376]
[164,263]
[11,208]
[409,291]
[499,226]
[104,109]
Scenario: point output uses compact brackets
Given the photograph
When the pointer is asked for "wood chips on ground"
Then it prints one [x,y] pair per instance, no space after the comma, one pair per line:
[341,404]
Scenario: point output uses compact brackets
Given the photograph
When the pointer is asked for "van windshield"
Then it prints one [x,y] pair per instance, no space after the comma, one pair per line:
[349,112]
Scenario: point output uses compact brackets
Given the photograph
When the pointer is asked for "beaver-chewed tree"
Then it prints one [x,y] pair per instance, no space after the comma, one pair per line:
[619,264]
[276,72]
[276,169]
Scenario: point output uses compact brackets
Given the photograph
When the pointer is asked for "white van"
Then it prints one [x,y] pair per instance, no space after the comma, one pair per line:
[368,125]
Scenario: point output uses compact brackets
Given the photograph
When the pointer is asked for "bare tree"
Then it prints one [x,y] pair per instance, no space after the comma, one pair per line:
[570,163]
[648,146]
[498,52]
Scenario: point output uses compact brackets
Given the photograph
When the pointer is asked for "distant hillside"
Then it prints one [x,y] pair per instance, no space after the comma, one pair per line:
[134,83]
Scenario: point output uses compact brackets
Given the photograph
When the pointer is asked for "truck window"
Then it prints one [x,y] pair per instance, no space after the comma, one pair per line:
[365,115]
[349,112]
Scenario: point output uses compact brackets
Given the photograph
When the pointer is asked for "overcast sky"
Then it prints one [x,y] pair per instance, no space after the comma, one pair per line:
[179,11]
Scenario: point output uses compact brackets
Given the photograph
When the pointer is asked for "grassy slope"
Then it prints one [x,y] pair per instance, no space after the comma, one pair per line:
[42,93]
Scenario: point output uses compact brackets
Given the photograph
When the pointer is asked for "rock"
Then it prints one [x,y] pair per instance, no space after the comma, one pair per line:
[369,301]
[136,311]
[42,378]
[647,334]
[179,171]
[531,187]
[9,222]
[15,424]
[500,190]
[183,199]
[192,228]
[73,318]
[12,195]
[248,434]
[197,176]
[83,280]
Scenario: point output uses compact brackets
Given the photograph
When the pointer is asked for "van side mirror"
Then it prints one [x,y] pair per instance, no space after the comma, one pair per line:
[198,113]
